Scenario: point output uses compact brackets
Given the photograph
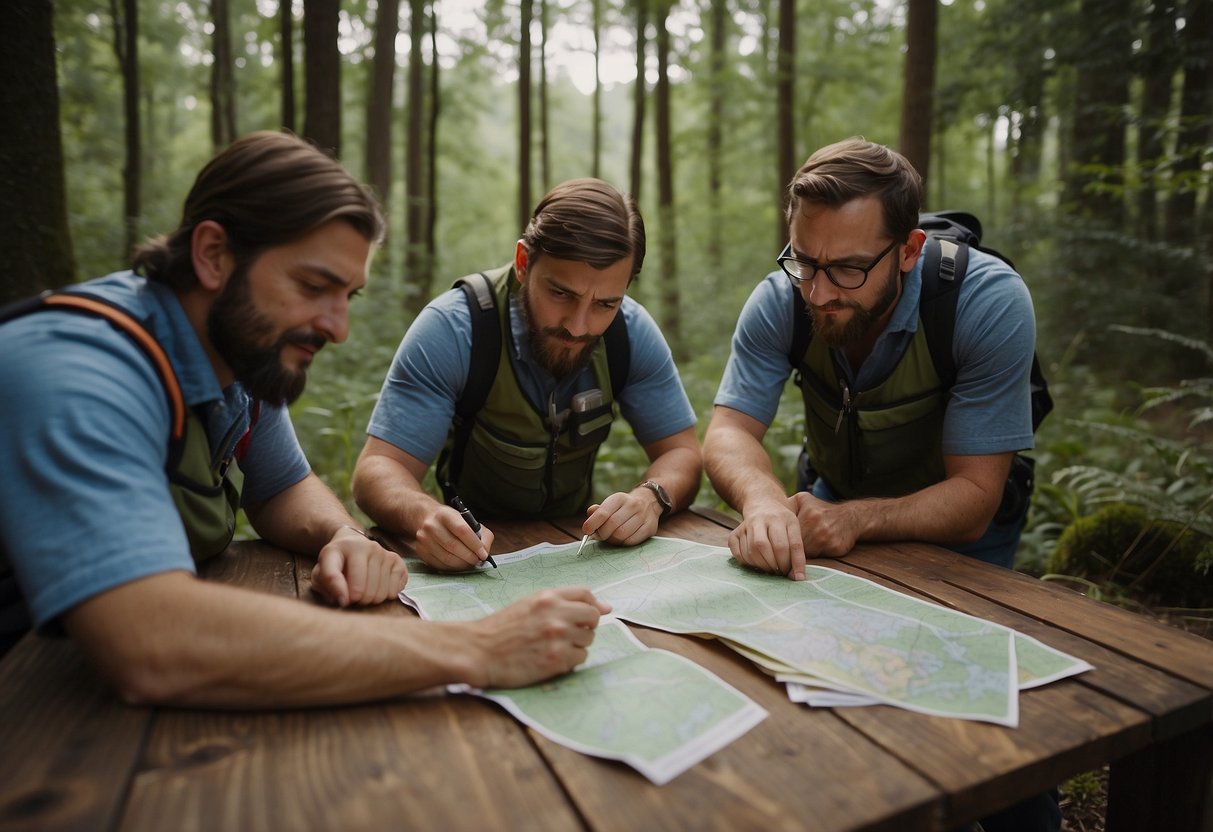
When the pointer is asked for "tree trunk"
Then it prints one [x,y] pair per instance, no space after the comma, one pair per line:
[1158,65]
[286,50]
[638,96]
[223,83]
[918,98]
[1193,140]
[34,236]
[596,26]
[671,321]
[545,124]
[717,74]
[785,98]
[431,214]
[1095,183]
[524,117]
[416,263]
[379,107]
[1028,140]
[1195,119]
[126,49]
[322,74]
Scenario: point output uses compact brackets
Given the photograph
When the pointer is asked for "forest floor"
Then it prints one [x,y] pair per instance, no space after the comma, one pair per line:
[1084,798]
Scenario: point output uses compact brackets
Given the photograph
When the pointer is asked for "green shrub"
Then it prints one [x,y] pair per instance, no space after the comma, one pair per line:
[1125,552]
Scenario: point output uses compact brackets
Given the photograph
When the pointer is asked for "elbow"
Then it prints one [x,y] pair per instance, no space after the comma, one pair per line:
[144,681]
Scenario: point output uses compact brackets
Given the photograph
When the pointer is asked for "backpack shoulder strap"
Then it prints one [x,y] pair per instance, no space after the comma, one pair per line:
[802,330]
[482,369]
[486,344]
[126,323]
[945,262]
[619,353]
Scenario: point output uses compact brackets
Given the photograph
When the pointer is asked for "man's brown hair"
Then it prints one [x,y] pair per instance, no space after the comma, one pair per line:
[838,173]
[587,221]
[265,189]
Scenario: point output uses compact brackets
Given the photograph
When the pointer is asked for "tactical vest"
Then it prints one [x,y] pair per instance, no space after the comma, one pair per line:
[517,461]
[882,442]
[205,492]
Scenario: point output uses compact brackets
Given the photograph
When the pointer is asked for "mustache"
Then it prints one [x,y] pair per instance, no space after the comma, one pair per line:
[561,332]
[833,306]
[307,339]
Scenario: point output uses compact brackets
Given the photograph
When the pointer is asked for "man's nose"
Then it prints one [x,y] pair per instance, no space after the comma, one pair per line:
[578,321]
[334,321]
[819,290]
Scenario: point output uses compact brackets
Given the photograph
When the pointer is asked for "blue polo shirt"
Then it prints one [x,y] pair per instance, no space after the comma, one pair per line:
[989,409]
[427,376]
[84,500]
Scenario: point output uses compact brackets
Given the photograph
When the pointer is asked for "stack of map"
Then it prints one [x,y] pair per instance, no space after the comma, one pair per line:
[834,639]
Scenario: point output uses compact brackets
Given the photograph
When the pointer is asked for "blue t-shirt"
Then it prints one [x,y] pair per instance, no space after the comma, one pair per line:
[427,376]
[989,408]
[84,500]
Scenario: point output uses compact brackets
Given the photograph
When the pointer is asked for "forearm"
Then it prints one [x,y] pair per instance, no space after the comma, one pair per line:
[172,638]
[956,510]
[303,518]
[740,469]
[391,495]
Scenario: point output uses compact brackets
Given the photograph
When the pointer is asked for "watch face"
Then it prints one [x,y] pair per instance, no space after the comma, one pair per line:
[667,505]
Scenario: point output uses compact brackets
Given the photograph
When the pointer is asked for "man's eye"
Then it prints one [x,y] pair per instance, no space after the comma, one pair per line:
[357,293]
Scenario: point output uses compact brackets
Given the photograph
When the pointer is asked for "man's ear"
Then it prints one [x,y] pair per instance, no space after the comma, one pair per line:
[210,255]
[520,261]
[912,249]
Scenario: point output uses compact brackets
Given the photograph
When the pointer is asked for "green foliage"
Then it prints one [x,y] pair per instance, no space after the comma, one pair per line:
[1133,488]
[1125,552]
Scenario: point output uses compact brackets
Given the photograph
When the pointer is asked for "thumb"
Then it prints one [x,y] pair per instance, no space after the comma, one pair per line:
[328,576]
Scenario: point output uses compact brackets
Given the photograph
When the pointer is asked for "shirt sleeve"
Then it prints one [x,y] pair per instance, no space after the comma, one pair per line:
[653,400]
[85,504]
[417,401]
[758,365]
[275,461]
[995,338]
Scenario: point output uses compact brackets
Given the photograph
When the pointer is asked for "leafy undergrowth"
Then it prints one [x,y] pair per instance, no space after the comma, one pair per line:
[1084,799]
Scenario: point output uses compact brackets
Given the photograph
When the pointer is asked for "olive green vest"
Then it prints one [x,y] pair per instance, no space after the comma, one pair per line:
[205,491]
[883,442]
[516,464]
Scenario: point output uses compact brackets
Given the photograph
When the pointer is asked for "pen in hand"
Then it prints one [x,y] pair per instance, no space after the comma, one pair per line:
[470,519]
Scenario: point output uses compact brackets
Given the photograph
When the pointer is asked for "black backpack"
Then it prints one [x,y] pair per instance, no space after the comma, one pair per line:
[486,356]
[950,235]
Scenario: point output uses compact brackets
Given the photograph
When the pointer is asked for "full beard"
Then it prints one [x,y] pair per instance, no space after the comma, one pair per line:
[857,327]
[556,358]
[244,338]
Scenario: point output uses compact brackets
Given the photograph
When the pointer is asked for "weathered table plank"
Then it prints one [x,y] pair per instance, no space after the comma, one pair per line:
[67,745]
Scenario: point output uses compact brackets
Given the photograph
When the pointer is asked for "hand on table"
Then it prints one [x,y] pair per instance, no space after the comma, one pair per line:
[624,518]
[353,569]
[826,529]
[768,538]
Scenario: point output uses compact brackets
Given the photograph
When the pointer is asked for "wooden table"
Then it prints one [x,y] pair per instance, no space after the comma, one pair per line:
[73,757]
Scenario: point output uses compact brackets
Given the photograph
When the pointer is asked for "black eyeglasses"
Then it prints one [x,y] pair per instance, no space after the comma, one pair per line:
[842,275]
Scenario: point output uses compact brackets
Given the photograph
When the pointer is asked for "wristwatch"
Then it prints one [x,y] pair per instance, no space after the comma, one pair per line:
[667,505]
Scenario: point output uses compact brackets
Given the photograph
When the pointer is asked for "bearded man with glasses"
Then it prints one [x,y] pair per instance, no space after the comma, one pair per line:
[891,451]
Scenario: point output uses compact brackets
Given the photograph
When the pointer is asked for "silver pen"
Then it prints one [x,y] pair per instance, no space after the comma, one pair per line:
[584,540]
